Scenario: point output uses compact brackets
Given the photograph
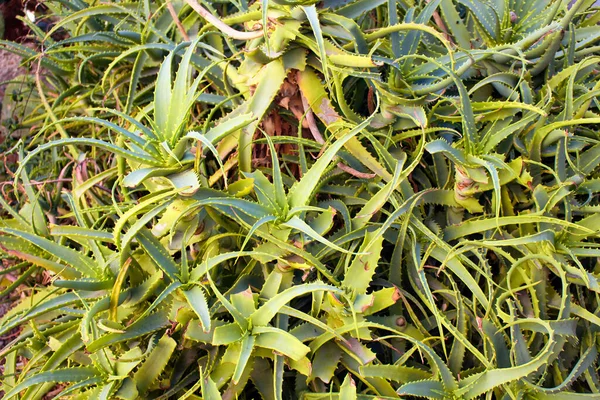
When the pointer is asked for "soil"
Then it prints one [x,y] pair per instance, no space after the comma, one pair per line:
[9,69]
[14,31]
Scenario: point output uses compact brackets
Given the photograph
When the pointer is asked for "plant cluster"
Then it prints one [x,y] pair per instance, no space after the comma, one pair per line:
[281,199]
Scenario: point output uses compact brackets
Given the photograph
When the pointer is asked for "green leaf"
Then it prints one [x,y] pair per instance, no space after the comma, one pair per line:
[325,362]
[280,341]
[65,375]
[247,347]
[163,98]
[209,388]
[226,334]
[359,275]
[301,192]
[157,252]
[154,365]
[396,373]
[128,390]
[267,311]
[75,259]
[227,127]
[313,19]
[140,157]
[273,75]
[197,301]
[298,224]
[149,324]
[428,388]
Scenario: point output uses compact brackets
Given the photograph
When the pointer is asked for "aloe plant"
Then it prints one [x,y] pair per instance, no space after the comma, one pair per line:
[301,199]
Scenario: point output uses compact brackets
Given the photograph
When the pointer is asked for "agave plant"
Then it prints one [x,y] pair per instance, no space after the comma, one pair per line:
[301,199]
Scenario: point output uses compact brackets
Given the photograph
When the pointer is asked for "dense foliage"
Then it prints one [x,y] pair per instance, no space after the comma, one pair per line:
[288,199]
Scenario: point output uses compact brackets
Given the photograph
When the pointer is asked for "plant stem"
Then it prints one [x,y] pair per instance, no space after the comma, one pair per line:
[220,25]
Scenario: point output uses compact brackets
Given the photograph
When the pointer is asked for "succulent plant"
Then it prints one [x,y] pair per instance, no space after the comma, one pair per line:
[343,199]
